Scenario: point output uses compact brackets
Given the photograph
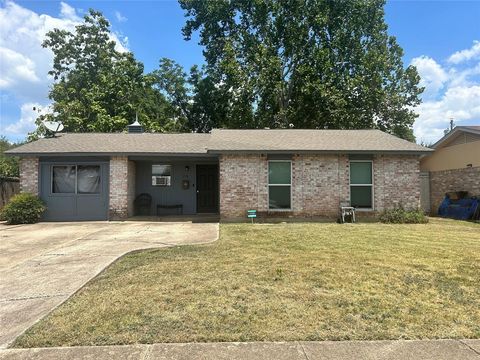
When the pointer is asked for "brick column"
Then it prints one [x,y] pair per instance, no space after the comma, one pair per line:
[343,179]
[122,187]
[131,188]
[29,175]
[243,184]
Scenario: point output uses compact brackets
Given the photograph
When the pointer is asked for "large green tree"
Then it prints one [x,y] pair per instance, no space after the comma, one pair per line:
[195,98]
[97,87]
[311,63]
[9,166]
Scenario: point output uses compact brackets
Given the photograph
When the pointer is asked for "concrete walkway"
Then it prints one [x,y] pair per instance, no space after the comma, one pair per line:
[327,350]
[42,265]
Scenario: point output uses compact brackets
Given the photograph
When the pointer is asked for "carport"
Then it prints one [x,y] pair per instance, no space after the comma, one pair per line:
[74,189]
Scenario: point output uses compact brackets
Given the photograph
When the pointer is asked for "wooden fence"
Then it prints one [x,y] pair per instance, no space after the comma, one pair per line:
[8,187]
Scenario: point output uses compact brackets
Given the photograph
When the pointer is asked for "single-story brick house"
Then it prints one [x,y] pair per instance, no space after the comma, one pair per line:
[304,173]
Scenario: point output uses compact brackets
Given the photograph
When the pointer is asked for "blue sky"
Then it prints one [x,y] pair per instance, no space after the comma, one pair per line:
[439,37]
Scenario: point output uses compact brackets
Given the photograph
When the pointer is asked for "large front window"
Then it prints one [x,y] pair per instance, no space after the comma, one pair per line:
[361,184]
[279,184]
[76,179]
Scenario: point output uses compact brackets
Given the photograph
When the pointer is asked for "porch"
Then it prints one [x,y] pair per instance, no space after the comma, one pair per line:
[174,188]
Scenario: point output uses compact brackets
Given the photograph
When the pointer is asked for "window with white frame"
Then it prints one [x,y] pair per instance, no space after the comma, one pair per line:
[279,184]
[361,184]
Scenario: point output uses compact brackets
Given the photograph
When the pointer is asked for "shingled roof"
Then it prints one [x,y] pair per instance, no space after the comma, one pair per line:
[281,140]
[220,141]
[116,144]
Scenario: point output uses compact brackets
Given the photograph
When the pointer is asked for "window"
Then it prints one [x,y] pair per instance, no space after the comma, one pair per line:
[162,170]
[279,184]
[88,179]
[161,175]
[361,184]
[76,179]
[63,179]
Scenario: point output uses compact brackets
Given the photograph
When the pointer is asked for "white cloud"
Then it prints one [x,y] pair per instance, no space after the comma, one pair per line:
[23,59]
[459,103]
[24,62]
[68,12]
[19,68]
[432,75]
[28,114]
[120,17]
[466,54]
[452,90]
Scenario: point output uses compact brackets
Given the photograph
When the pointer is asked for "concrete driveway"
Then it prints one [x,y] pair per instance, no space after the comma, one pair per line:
[41,265]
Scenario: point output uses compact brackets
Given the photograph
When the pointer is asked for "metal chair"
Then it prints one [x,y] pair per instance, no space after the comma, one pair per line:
[143,204]
[346,210]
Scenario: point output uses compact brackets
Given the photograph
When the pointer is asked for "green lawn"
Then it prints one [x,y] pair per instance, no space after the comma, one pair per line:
[283,282]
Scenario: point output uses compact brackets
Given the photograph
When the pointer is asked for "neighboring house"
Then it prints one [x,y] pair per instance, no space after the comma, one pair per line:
[301,173]
[454,165]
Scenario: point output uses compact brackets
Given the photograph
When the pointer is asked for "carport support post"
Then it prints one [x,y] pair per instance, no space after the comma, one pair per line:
[29,175]
[121,187]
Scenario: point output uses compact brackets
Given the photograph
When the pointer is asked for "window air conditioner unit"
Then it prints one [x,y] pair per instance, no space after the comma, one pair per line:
[161,180]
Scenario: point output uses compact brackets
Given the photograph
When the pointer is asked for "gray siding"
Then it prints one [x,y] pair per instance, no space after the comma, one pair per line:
[73,207]
[168,195]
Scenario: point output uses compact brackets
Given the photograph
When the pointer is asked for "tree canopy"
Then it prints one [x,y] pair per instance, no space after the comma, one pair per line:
[97,87]
[307,64]
[9,166]
[313,63]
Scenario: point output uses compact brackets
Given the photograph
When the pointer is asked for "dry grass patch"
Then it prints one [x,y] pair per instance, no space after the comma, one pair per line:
[283,282]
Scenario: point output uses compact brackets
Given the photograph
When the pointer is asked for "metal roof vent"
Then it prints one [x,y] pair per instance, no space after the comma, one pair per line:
[135,128]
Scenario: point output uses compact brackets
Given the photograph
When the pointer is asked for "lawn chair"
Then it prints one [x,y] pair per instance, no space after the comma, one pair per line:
[143,204]
[346,210]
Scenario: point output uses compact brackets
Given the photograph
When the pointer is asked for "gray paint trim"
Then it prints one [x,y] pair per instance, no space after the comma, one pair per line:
[216,153]
[83,154]
[179,158]
[57,159]
[393,152]
[279,156]
[360,157]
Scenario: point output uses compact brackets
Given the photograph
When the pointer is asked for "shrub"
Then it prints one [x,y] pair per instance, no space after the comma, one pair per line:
[23,208]
[401,216]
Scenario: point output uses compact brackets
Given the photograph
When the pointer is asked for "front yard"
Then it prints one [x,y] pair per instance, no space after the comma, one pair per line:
[283,282]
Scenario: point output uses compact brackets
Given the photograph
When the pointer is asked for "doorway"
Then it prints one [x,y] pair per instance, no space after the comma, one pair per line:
[207,188]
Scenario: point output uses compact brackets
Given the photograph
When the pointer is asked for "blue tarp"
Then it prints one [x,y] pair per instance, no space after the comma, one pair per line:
[462,209]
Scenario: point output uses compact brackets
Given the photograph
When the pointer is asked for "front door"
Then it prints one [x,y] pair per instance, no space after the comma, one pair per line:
[207,188]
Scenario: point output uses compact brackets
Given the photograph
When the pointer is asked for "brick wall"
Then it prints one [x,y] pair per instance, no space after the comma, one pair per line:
[243,184]
[319,184]
[122,187]
[29,175]
[131,187]
[396,182]
[441,182]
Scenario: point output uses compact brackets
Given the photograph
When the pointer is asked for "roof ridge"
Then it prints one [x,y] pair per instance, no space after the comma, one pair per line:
[294,129]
